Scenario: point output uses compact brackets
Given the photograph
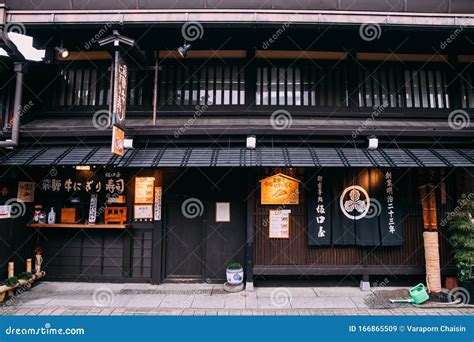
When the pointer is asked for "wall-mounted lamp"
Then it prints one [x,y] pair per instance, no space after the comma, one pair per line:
[251,142]
[83,167]
[63,52]
[373,142]
[183,50]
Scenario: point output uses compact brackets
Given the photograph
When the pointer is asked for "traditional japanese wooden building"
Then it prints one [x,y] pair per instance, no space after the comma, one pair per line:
[305,140]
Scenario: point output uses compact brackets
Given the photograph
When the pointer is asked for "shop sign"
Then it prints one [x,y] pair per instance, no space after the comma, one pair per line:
[144,190]
[158,202]
[354,202]
[5,211]
[26,191]
[118,137]
[280,189]
[114,184]
[120,92]
[279,224]
[93,209]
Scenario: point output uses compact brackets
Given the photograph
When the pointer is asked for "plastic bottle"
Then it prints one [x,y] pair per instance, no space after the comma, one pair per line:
[51,216]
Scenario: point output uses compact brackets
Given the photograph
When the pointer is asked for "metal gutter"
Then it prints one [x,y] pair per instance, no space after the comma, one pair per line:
[15,137]
[227,16]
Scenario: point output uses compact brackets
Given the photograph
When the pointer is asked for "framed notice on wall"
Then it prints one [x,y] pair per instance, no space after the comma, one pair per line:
[279,227]
[144,190]
[222,211]
[142,211]
[26,191]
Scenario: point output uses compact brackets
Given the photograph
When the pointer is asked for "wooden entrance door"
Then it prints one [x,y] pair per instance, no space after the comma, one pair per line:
[184,237]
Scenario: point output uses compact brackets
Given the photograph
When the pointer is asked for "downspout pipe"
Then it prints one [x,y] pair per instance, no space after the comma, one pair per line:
[17,109]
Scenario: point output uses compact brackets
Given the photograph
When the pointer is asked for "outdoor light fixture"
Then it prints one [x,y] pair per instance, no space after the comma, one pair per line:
[83,167]
[128,143]
[63,52]
[373,142]
[251,142]
[183,50]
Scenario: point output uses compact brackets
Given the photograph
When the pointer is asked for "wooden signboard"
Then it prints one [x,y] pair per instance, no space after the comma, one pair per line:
[279,224]
[118,137]
[120,92]
[144,190]
[280,189]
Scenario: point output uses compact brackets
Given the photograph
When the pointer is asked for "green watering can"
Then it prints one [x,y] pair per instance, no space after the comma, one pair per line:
[418,295]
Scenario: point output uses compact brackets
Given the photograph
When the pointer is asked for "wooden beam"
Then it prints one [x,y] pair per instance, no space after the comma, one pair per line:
[204,54]
[87,55]
[397,57]
[465,58]
[283,54]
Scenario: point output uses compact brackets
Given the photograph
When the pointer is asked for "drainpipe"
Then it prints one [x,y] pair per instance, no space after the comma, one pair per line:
[13,142]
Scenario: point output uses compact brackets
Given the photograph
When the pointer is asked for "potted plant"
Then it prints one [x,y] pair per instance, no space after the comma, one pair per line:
[235,274]
[461,229]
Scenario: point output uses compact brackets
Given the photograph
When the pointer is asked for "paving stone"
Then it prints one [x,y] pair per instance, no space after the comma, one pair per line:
[289,291]
[322,302]
[208,302]
[339,292]
[177,301]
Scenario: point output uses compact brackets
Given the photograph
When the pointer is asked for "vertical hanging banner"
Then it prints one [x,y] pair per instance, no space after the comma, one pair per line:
[391,216]
[319,212]
[364,209]
[119,104]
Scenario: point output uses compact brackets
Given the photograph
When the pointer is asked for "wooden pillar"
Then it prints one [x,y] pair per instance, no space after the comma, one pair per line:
[431,238]
[11,269]
[252,187]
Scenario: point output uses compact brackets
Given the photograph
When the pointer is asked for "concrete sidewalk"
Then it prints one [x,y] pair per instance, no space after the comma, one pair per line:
[63,298]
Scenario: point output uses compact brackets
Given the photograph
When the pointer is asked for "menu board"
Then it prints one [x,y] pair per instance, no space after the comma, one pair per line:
[142,212]
[144,190]
[279,224]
